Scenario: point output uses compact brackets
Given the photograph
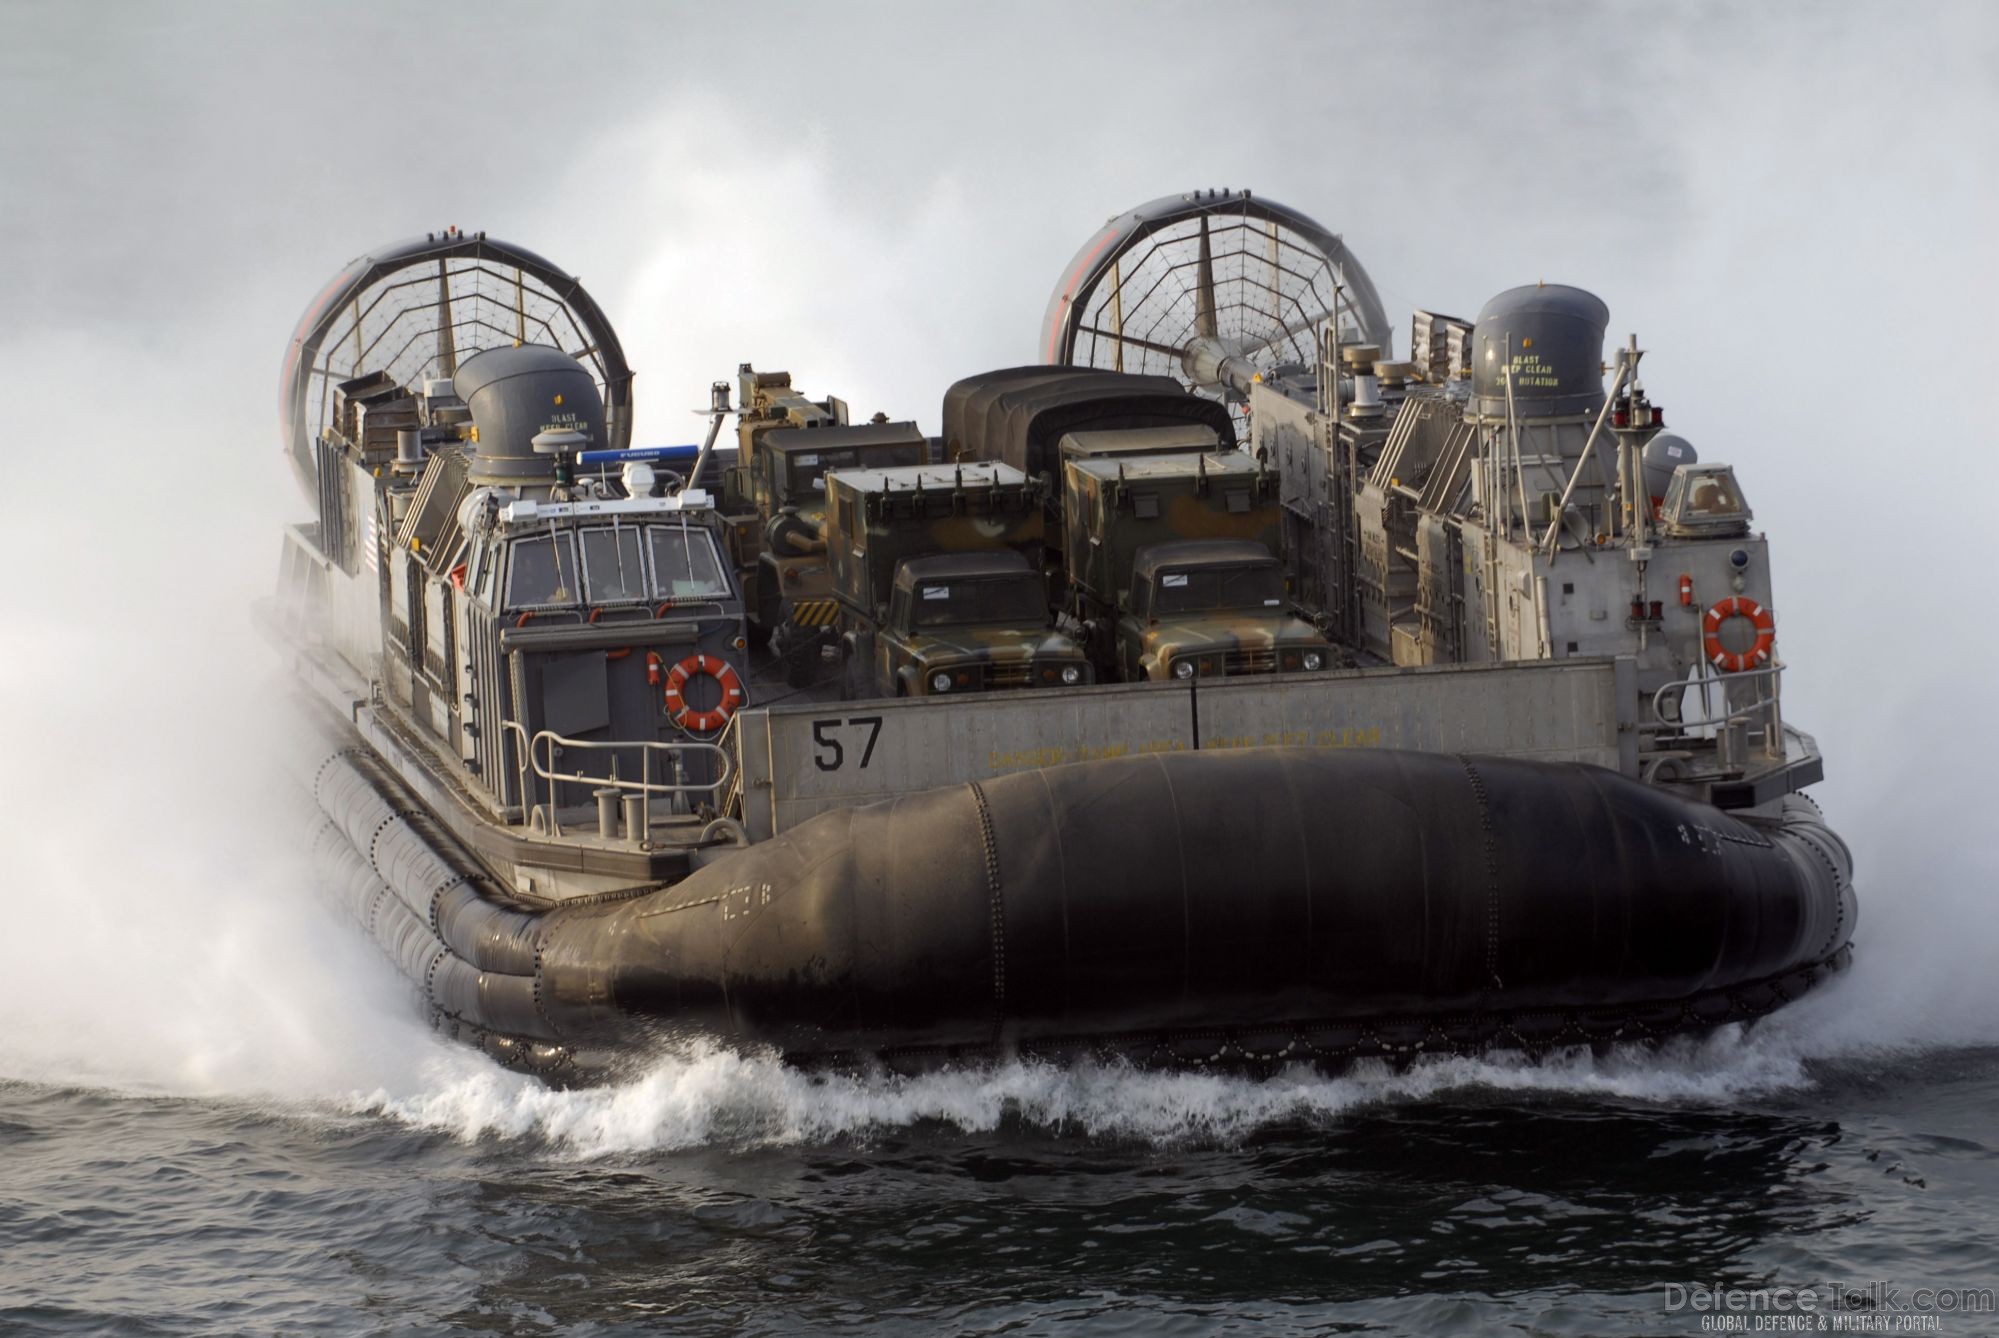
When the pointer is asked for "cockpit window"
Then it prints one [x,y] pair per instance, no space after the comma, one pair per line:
[1198,590]
[1010,601]
[542,571]
[612,567]
[805,471]
[685,564]
[1704,499]
[1712,495]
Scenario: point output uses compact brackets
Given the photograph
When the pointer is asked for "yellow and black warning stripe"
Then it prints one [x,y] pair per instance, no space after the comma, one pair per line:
[815,612]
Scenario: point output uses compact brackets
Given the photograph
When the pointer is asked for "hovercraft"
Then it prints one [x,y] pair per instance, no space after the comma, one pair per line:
[1223,690]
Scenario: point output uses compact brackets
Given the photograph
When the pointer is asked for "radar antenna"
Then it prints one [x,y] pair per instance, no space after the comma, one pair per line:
[1213,287]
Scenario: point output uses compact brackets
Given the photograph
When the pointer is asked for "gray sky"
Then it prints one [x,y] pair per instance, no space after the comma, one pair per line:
[1792,205]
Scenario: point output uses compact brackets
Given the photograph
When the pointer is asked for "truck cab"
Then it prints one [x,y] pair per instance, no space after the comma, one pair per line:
[1210,608]
[971,622]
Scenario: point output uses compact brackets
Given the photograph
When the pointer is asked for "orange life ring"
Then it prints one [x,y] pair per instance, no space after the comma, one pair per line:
[716,716]
[1730,661]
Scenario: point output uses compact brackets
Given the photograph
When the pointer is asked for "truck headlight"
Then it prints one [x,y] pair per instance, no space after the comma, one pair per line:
[1072,674]
[940,681]
[1313,659]
[1184,669]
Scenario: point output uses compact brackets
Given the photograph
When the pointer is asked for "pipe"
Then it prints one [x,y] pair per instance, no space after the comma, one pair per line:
[1575,475]
[727,828]
[718,408]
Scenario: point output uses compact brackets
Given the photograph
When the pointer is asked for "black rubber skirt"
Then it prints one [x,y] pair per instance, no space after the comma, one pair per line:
[1264,905]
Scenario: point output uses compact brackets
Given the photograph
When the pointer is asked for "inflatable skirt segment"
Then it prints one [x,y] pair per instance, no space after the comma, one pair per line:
[1258,906]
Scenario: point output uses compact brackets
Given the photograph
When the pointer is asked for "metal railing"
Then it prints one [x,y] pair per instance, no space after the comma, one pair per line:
[537,756]
[509,730]
[1760,717]
[731,804]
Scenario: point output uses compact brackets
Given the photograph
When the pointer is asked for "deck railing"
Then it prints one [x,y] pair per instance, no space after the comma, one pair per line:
[1740,715]
[538,756]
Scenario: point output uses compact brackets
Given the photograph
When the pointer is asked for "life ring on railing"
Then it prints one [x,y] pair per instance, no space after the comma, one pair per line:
[727,680]
[1732,661]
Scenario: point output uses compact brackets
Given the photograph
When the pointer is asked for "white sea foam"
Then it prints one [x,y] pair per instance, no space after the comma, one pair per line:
[704,1095]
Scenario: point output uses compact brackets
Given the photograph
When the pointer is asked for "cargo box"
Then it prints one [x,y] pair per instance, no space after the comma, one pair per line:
[1114,506]
[877,517]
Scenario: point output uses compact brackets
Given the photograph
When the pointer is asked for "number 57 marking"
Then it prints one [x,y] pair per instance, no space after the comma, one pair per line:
[830,755]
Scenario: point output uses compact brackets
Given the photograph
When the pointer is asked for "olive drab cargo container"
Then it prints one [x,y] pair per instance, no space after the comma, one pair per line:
[1113,507]
[875,518]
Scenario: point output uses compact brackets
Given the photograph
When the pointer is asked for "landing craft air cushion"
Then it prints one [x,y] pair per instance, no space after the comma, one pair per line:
[1222,690]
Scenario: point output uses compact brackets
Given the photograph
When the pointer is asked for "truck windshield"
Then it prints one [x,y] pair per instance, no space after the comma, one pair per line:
[1012,601]
[1197,589]
[685,564]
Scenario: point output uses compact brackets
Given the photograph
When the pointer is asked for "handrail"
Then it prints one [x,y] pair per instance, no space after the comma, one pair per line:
[1766,707]
[507,729]
[732,799]
[1687,685]
[645,786]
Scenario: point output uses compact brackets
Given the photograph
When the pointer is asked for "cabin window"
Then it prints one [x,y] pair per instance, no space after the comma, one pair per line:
[1009,601]
[1712,496]
[1703,496]
[613,569]
[805,471]
[542,571]
[901,453]
[685,564]
[1222,588]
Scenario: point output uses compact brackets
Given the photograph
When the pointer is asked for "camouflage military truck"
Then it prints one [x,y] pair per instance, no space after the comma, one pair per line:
[787,483]
[766,403]
[1173,562]
[938,573]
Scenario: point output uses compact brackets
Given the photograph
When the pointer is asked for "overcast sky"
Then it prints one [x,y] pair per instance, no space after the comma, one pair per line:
[1793,206]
